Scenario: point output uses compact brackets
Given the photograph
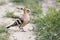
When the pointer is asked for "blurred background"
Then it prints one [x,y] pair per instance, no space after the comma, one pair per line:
[45,15]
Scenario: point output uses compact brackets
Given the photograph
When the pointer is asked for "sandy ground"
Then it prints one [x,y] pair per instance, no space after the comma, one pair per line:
[15,34]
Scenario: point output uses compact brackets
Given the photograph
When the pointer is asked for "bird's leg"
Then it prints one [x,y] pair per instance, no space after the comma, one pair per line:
[21,27]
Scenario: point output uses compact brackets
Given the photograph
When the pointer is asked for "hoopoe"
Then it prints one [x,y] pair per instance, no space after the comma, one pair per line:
[23,20]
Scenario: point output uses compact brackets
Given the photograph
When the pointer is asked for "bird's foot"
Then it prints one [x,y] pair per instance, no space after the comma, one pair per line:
[22,30]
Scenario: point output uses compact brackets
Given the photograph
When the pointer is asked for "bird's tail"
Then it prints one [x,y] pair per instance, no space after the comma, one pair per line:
[16,23]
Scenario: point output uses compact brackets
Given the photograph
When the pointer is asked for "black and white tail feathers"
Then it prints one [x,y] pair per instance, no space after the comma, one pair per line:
[16,23]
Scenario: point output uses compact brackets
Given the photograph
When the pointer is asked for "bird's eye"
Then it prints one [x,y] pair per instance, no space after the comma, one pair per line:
[21,8]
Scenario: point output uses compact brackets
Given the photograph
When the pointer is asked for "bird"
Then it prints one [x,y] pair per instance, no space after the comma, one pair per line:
[23,20]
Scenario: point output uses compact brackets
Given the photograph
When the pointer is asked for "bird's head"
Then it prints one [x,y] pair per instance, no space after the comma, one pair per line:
[25,10]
